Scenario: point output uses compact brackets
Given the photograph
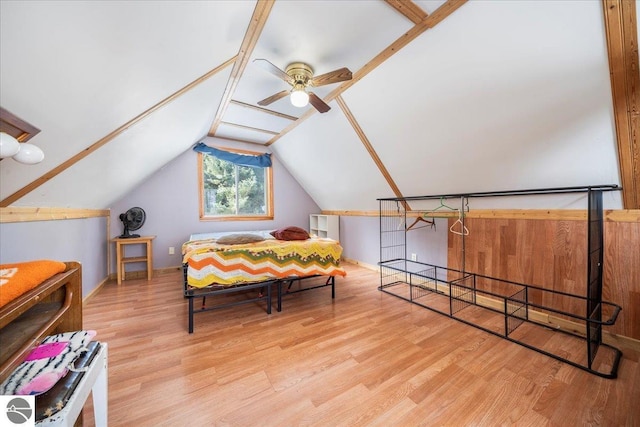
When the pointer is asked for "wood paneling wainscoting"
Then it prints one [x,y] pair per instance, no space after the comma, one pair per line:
[552,254]
[622,274]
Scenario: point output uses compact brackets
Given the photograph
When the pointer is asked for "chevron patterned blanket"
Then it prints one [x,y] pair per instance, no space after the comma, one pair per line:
[210,263]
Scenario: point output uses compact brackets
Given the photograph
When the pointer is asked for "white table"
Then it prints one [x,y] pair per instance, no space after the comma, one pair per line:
[94,380]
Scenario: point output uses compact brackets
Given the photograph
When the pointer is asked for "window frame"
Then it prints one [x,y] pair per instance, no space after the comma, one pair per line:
[268,185]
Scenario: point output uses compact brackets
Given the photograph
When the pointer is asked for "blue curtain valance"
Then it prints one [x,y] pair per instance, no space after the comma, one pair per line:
[262,161]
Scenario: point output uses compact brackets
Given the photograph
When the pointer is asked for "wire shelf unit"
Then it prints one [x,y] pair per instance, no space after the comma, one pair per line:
[511,310]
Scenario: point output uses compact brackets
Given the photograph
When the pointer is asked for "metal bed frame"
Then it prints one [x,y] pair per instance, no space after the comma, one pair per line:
[451,292]
[263,287]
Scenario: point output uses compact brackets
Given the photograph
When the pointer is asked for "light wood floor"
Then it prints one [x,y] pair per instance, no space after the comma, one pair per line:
[365,358]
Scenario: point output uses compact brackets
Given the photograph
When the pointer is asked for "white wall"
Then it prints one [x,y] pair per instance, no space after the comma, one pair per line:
[502,95]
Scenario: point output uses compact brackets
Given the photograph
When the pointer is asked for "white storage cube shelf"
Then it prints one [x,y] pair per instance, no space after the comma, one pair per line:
[325,226]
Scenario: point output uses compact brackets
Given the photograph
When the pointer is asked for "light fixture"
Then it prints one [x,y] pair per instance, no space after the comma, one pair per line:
[299,97]
[21,152]
[9,146]
[29,154]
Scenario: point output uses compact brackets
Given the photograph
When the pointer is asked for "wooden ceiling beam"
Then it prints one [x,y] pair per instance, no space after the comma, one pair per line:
[622,46]
[429,22]
[27,214]
[256,25]
[245,141]
[251,128]
[372,152]
[96,145]
[263,110]
[409,9]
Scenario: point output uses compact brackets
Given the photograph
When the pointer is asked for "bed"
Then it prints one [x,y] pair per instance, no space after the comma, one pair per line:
[221,263]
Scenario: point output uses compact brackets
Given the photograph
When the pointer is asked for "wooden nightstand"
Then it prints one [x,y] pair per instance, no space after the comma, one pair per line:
[121,259]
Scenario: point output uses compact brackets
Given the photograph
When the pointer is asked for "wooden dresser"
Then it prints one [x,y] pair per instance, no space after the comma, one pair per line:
[52,307]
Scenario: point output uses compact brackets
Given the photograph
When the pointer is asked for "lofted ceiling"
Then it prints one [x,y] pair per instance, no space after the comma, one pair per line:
[445,96]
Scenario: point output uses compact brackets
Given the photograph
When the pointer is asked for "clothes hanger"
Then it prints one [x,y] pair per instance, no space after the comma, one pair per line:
[421,219]
[402,217]
[442,205]
[431,222]
[464,231]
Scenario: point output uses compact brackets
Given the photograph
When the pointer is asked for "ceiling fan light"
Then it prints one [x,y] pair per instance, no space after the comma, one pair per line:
[29,154]
[9,146]
[299,98]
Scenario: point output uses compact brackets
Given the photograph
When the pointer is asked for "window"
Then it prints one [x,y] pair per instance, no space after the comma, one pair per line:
[229,190]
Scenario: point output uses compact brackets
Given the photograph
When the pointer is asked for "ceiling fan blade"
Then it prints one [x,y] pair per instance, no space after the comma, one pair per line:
[318,103]
[268,66]
[273,98]
[335,76]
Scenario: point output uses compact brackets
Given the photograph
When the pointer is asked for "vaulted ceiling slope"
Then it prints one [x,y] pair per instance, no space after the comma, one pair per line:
[446,96]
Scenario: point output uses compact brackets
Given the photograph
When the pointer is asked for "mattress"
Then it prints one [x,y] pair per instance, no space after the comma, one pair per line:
[208,263]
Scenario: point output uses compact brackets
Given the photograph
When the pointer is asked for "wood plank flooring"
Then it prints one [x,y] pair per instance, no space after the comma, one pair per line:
[365,358]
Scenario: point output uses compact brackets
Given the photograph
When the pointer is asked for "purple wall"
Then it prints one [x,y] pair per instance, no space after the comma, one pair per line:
[82,240]
[430,244]
[360,239]
[170,200]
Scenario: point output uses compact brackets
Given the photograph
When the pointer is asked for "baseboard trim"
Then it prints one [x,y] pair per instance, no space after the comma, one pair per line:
[361,264]
[565,325]
[142,274]
[95,290]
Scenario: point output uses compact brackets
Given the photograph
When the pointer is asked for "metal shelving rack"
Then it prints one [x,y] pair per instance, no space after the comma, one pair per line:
[514,311]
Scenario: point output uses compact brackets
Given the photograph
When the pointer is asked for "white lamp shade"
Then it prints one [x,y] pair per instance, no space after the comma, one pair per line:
[29,154]
[9,146]
[299,98]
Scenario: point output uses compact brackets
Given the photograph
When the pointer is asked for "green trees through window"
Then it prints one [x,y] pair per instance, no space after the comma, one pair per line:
[232,190]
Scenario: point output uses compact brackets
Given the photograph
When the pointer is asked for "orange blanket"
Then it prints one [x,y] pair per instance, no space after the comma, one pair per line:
[16,279]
